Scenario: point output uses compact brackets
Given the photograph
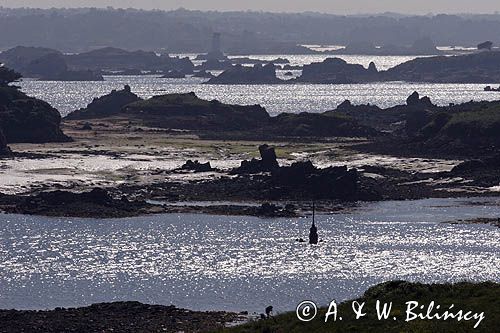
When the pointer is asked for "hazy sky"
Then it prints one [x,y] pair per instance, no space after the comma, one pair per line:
[330,6]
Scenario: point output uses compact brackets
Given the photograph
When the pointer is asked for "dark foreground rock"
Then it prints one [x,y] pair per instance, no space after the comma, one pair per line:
[123,317]
[27,119]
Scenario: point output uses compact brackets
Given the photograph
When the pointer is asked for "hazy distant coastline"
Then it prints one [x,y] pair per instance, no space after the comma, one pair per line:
[78,30]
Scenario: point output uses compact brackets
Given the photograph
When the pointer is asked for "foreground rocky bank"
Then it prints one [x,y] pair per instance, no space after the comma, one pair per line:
[478,298]
[123,317]
[136,317]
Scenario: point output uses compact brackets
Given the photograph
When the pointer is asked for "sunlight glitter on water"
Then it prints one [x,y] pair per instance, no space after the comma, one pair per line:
[69,96]
[242,263]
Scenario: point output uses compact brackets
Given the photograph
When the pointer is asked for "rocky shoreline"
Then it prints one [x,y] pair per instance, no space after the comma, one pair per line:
[137,317]
[133,317]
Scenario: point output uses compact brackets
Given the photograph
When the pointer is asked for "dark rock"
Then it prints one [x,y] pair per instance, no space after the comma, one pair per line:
[483,67]
[188,112]
[372,68]
[123,317]
[268,156]
[336,71]
[106,105]
[21,58]
[267,163]
[327,124]
[8,75]
[25,119]
[197,166]
[95,203]
[468,166]
[247,75]
[413,99]
[115,59]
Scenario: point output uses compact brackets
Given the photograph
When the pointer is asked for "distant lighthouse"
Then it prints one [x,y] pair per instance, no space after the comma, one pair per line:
[215,51]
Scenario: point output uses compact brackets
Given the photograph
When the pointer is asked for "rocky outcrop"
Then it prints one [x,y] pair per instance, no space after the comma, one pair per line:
[53,67]
[196,166]
[481,67]
[327,124]
[27,119]
[124,317]
[267,163]
[22,58]
[336,71]
[95,203]
[118,59]
[49,64]
[238,74]
[302,178]
[188,112]
[107,105]
[213,119]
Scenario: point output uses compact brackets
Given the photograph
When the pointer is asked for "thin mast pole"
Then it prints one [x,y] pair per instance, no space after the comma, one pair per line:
[314,207]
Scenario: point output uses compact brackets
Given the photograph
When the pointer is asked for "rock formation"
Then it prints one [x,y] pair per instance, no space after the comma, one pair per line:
[239,74]
[188,112]
[196,166]
[267,163]
[337,71]
[26,119]
[49,64]
[106,105]
[481,67]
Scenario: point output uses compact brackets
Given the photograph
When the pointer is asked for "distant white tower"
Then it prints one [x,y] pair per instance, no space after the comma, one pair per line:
[216,43]
[215,52]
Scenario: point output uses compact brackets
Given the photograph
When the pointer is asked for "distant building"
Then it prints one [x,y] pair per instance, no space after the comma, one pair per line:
[215,51]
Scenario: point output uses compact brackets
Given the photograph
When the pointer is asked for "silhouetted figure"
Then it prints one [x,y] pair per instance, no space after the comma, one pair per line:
[313,232]
[269,311]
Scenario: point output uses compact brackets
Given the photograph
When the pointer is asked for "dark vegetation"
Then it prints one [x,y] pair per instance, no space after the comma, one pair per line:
[480,297]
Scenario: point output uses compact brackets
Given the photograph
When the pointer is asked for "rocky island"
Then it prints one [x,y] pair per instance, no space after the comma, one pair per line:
[122,125]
